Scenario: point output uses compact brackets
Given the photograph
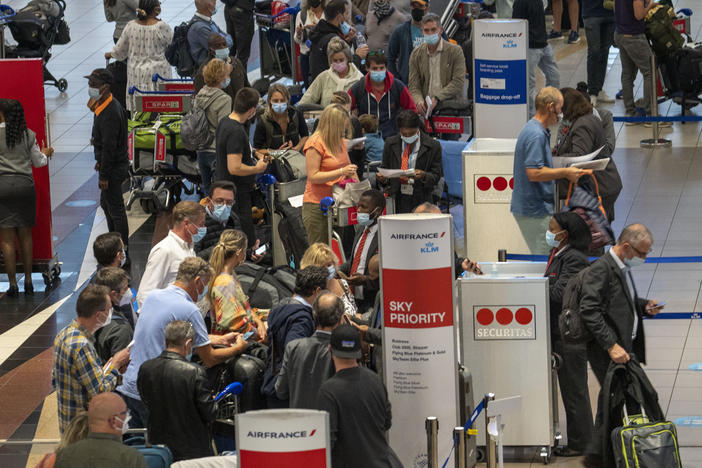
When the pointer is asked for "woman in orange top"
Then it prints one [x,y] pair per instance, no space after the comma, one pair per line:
[327,164]
[231,306]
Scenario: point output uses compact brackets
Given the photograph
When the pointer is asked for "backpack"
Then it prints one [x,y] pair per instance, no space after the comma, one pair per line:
[585,200]
[292,233]
[289,165]
[195,128]
[661,32]
[178,51]
[266,287]
[570,322]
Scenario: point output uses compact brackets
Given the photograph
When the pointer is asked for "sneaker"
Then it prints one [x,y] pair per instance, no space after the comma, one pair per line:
[573,37]
[554,35]
[620,94]
[603,97]
[593,100]
[632,114]
[660,124]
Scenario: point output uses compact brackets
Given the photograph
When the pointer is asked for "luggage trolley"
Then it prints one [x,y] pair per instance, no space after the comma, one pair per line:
[156,177]
[279,55]
[280,192]
[181,85]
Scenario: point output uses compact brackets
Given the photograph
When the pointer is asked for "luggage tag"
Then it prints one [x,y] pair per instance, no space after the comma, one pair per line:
[406,189]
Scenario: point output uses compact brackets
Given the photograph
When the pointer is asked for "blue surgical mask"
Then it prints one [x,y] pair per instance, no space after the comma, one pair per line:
[226,82]
[551,239]
[332,272]
[345,28]
[378,76]
[189,356]
[202,295]
[94,93]
[364,219]
[221,212]
[124,258]
[410,140]
[201,231]
[222,54]
[431,39]
[634,262]
[279,107]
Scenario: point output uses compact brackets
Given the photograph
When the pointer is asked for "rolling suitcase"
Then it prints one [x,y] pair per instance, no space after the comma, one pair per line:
[643,444]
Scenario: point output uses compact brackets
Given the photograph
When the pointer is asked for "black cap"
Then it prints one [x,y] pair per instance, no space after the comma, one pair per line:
[102,75]
[346,342]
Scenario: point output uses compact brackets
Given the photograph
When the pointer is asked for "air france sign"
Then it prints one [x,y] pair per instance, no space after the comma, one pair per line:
[503,322]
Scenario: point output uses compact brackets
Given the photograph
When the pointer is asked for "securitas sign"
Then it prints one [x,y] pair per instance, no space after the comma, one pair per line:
[280,435]
[504,322]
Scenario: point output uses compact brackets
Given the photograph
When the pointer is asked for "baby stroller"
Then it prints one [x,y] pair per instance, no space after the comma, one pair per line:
[36,28]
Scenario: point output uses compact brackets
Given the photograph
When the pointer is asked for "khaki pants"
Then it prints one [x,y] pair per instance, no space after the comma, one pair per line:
[315,223]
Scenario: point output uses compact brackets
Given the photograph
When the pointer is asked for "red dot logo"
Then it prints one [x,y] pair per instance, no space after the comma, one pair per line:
[511,183]
[504,316]
[483,183]
[500,183]
[523,316]
[484,317]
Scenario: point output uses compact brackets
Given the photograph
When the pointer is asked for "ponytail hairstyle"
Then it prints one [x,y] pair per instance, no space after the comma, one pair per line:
[230,244]
[15,124]
[146,8]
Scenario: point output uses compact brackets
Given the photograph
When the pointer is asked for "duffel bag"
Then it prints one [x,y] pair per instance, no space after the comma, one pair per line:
[177,157]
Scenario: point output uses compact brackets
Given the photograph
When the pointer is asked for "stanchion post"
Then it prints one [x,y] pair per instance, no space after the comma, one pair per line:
[490,446]
[502,255]
[459,434]
[432,426]
[655,141]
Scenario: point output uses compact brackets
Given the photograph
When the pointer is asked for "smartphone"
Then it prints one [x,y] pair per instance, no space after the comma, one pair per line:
[129,346]
[248,335]
[261,250]
[660,304]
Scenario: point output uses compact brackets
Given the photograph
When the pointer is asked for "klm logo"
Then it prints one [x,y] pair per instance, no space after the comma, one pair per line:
[510,44]
[429,248]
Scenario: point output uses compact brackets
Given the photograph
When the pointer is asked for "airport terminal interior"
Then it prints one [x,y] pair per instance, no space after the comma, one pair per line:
[662,189]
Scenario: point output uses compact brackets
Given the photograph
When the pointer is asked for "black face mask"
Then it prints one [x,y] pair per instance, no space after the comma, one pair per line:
[417,14]
[314,3]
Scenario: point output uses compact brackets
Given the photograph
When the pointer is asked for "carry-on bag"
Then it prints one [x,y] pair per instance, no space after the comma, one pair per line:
[643,444]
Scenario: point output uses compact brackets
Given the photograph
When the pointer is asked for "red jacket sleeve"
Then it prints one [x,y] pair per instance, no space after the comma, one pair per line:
[353,100]
[406,101]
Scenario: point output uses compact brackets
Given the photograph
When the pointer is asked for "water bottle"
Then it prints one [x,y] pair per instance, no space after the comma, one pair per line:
[360,42]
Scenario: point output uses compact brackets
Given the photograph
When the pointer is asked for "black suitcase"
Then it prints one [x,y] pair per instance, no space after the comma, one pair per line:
[689,70]
[119,81]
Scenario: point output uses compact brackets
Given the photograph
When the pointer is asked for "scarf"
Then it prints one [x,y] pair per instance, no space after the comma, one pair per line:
[382,10]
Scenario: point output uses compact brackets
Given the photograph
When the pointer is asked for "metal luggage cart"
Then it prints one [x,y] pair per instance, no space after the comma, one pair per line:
[6,14]
[158,182]
[279,192]
[455,125]
[279,56]
[180,85]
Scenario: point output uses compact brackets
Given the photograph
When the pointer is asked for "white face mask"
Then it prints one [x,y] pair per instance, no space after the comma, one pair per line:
[126,298]
[125,423]
[107,320]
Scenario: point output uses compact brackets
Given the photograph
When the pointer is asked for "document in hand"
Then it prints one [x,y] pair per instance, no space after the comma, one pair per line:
[559,162]
[394,173]
[596,165]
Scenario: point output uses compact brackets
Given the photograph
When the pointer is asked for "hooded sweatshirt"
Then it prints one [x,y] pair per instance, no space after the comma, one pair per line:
[319,38]
[328,82]
[217,105]
[395,97]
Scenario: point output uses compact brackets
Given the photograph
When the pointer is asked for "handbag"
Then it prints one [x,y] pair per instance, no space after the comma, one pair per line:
[349,194]
[588,205]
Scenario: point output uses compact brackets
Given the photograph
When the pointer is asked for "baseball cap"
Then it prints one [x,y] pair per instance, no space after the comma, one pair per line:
[100,74]
[421,3]
[346,342]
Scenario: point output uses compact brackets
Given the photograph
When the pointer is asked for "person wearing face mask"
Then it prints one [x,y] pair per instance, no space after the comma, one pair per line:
[411,149]
[236,161]
[109,139]
[381,94]
[143,43]
[334,24]
[281,127]
[383,18]
[165,257]
[612,310]
[118,330]
[319,254]
[534,176]
[569,237]
[217,49]
[437,68]
[178,396]
[201,26]
[78,374]
[176,302]
[305,21]
[217,105]
[290,320]
[340,76]
[108,251]
[108,418]
[229,305]
[370,207]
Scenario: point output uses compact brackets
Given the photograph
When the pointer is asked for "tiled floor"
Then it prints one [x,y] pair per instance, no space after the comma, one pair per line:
[662,189]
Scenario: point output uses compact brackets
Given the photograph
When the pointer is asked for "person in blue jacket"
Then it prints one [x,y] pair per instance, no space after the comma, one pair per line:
[202,25]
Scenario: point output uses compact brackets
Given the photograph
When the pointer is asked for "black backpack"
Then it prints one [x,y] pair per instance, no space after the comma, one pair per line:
[292,233]
[178,51]
[266,287]
[570,322]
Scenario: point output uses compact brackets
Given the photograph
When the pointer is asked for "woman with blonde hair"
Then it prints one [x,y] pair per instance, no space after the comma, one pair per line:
[228,301]
[327,164]
[217,105]
[340,75]
[319,254]
[76,430]
[281,126]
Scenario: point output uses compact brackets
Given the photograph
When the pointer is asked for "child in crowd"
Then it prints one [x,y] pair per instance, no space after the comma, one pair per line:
[374,142]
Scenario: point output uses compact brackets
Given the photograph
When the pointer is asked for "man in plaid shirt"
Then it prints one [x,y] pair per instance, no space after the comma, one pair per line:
[78,374]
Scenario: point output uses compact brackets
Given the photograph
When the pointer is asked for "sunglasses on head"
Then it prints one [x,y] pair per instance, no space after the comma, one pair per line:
[376,52]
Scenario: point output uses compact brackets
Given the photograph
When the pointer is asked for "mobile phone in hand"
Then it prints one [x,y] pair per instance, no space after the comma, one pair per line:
[248,335]
[261,250]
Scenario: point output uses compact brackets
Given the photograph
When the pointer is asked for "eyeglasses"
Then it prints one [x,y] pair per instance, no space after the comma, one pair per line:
[643,254]
[374,53]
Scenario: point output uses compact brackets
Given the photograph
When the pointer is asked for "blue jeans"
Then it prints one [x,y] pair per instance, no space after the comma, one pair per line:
[599,31]
[205,161]
[546,61]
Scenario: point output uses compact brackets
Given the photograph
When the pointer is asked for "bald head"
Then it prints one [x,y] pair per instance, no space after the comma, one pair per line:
[205,7]
[102,410]
[635,234]
[427,207]
[328,310]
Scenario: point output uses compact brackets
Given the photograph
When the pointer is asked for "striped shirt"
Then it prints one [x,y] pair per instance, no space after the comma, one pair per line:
[77,375]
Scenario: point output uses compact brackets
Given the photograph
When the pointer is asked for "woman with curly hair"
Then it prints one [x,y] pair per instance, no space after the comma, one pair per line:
[18,153]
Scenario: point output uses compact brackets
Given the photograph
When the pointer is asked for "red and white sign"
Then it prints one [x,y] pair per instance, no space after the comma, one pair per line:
[443,124]
[160,103]
[179,86]
[419,340]
[160,147]
[130,147]
[504,322]
[493,188]
[290,438]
